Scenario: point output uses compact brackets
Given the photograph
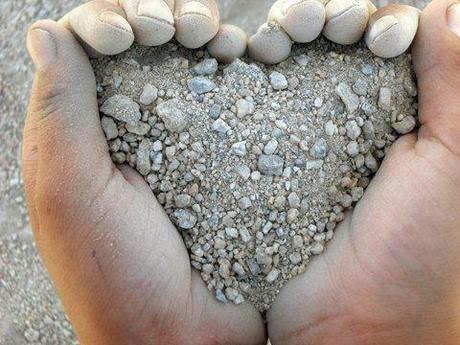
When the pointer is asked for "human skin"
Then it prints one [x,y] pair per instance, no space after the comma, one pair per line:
[390,275]
[118,263]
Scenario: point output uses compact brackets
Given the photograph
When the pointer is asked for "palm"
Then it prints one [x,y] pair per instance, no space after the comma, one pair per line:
[148,270]
[134,266]
[392,257]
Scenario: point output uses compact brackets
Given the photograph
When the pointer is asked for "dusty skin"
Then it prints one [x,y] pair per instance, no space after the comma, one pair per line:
[110,27]
[49,331]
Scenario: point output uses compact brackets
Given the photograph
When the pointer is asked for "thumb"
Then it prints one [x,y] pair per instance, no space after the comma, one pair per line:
[72,158]
[437,64]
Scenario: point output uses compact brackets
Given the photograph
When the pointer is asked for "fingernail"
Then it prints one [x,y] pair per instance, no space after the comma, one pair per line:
[42,48]
[453,18]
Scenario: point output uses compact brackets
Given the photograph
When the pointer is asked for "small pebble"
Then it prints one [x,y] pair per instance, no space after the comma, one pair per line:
[244,108]
[185,219]
[270,165]
[173,117]
[149,94]
[220,126]
[406,125]
[278,81]
[206,67]
[348,97]
[201,85]
[122,108]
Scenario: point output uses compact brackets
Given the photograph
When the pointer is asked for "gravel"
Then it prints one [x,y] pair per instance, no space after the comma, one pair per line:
[258,164]
[149,95]
[173,117]
[30,298]
[201,85]
[278,81]
[205,67]
[122,108]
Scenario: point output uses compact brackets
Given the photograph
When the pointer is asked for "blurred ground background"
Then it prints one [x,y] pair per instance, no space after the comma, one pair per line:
[30,312]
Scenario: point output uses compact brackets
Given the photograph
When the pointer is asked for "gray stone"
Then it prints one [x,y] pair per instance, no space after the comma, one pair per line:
[201,85]
[122,108]
[330,128]
[278,81]
[294,200]
[385,98]
[173,117]
[367,69]
[243,170]
[239,269]
[215,111]
[253,267]
[231,294]
[245,235]
[271,147]
[317,248]
[319,149]
[220,126]
[206,67]
[369,130]
[353,148]
[406,125]
[182,200]
[245,203]
[149,94]
[185,219]
[220,296]
[109,127]
[360,87]
[231,232]
[270,165]
[143,158]
[297,242]
[244,108]
[272,276]
[371,163]
[141,128]
[315,164]
[239,149]
[348,97]
[295,258]
[353,130]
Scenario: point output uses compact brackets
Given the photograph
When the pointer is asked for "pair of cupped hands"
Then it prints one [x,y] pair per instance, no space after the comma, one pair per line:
[390,276]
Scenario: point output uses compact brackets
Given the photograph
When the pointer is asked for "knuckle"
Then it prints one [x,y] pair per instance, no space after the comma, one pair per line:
[50,100]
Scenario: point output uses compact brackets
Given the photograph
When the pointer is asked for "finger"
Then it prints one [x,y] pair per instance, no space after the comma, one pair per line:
[197,22]
[72,151]
[270,44]
[303,20]
[152,21]
[346,20]
[101,27]
[437,64]
[229,44]
[392,29]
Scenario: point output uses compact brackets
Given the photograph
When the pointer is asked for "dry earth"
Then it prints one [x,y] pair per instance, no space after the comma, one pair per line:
[30,312]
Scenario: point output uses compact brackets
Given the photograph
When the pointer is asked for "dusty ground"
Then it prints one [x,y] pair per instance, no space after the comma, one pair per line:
[29,309]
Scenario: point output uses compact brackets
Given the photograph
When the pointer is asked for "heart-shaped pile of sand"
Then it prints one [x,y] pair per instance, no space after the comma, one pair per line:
[255,164]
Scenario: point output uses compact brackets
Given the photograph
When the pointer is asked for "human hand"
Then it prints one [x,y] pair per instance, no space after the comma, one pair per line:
[390,275]
[119,265]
